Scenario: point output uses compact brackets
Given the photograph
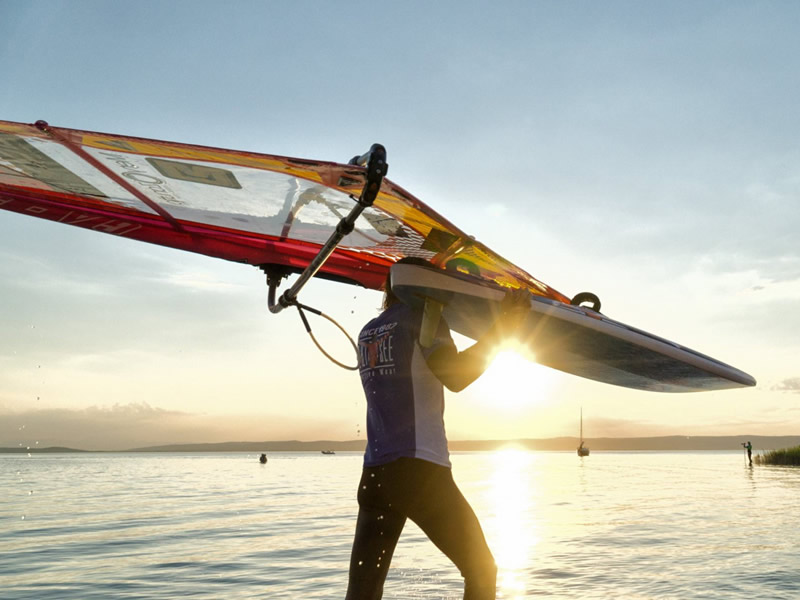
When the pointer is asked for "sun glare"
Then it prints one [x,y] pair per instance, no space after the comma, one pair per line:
[513,381]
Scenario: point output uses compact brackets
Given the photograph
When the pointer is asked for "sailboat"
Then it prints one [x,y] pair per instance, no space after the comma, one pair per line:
[582,450]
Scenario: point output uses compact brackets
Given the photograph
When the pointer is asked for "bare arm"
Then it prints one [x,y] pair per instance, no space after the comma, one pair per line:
[456,370]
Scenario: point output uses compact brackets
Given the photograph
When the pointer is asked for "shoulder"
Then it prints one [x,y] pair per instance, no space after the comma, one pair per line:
[396,316]
[401,313]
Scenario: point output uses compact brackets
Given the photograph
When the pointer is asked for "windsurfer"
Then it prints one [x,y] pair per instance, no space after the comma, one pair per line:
[407,470]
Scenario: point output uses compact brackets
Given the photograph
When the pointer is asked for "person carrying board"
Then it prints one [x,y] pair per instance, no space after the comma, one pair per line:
[407,469]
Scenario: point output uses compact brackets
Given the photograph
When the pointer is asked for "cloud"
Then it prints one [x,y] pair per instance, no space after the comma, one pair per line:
[792,384]
[136,425]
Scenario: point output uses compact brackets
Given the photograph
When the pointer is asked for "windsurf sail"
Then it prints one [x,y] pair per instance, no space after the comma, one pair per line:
[246,207]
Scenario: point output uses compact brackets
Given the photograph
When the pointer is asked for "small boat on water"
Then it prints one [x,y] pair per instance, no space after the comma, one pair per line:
[582,449]
[328,452]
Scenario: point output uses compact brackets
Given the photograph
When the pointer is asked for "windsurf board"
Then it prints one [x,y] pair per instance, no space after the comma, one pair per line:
[573,339]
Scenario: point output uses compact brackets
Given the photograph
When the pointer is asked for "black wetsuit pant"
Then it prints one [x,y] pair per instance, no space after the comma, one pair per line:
[425,493]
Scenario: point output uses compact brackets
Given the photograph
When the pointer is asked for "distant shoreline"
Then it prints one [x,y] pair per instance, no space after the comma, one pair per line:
[663,443]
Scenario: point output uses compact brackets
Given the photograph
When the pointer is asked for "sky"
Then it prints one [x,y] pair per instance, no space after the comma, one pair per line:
[647,152]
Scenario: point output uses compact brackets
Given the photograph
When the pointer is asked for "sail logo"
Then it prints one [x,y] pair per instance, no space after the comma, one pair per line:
[113,226]
[97,223]
[139,175]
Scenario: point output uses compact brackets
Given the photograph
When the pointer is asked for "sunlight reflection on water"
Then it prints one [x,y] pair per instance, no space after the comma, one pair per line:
[509,535]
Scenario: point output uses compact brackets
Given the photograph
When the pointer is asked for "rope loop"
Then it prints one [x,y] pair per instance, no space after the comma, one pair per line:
[300,309]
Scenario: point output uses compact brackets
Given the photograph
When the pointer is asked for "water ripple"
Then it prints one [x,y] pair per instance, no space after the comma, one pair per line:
[616,525]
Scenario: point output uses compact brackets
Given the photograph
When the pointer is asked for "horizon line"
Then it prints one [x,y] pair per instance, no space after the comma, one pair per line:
[560,443]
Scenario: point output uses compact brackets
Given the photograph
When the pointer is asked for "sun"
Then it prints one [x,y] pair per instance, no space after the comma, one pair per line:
[513,381]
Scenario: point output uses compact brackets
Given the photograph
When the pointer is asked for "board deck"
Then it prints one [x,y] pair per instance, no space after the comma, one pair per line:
[573,339]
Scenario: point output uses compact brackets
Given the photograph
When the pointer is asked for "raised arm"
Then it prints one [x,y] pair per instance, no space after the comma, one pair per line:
[456,370]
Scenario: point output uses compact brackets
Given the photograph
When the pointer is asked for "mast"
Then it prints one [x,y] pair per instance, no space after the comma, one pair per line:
[582,450]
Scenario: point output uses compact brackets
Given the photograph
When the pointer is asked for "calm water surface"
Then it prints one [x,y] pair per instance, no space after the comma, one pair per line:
[612,525]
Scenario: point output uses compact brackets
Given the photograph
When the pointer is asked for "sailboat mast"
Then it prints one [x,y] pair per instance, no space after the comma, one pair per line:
[582,450]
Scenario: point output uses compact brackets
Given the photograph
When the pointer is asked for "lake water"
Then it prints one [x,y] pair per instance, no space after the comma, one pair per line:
[612,525]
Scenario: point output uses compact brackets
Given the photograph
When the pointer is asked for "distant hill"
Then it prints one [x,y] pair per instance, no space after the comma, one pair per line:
[50,450]
[284,446]
[641,444]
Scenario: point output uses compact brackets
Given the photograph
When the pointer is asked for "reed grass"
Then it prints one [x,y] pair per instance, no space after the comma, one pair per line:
[787,456]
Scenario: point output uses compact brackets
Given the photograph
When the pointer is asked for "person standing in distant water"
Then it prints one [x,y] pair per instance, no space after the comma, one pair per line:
[749,448]
[407,470]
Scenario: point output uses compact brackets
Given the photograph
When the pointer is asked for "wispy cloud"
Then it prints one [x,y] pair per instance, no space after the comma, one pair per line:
[791,384]
[136,425]
[205,281]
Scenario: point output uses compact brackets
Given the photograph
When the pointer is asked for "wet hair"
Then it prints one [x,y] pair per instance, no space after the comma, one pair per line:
[388,296]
